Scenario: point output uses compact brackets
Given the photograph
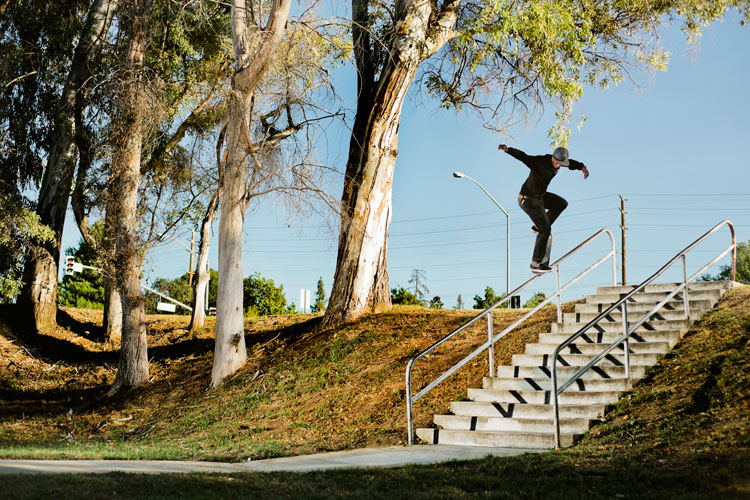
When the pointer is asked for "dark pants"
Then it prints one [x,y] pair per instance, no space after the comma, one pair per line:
[543,212]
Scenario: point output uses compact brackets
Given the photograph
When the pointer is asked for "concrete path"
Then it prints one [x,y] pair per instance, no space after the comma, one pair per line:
[391,456]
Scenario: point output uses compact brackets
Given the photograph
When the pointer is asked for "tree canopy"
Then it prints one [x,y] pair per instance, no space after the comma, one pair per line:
[510,57]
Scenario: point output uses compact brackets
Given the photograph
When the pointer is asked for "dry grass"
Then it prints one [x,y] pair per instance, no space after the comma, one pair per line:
[683,432]
[302,391]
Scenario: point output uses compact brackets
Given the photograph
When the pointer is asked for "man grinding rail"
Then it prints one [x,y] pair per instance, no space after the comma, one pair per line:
[541,206]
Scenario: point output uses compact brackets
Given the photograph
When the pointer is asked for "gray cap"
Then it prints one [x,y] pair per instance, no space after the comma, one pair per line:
[561,155]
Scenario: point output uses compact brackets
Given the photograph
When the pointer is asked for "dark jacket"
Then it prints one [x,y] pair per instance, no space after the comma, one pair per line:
[542,172]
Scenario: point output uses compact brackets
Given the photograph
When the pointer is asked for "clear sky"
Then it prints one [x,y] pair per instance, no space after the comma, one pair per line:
[677,148]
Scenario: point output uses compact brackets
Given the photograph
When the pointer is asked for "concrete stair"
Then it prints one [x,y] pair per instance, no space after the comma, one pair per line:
[514,408]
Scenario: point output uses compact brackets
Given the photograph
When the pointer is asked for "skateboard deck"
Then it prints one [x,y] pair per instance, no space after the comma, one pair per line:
[547,253]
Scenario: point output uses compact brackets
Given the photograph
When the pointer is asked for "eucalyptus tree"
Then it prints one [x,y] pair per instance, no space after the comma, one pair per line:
[189,65]
[280,75]
[255,40]
[202,274]
[129,130]
[174,60]
[41,103]
[500,56]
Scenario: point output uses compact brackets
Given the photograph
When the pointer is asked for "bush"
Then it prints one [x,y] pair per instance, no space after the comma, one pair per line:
[489,299]
[261,297]
[402,296]
[535,300]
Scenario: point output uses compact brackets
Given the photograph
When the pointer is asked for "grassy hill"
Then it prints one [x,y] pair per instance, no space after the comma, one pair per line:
[684,431]
[304,390]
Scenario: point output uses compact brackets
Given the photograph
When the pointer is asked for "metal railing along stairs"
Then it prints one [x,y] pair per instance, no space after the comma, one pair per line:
[622,303]
[491,338]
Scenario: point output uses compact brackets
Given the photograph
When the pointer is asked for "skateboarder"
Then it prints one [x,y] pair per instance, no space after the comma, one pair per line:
[542,207]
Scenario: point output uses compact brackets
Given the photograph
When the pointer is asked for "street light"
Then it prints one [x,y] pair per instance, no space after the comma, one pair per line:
[459,175]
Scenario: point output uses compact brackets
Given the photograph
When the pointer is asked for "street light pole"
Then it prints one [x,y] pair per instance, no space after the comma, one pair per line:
[459,175]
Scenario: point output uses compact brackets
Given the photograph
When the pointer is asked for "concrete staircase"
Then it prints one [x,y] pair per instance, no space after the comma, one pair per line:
[514,409]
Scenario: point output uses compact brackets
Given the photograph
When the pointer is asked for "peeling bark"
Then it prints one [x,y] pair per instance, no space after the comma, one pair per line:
[361,280]
[253,50]
[230,352]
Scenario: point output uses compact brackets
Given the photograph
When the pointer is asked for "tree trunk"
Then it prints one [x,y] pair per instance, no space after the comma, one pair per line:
[132,369]
[40,274]
[229,351]
[253,52]
[112,322]
[361,279]
[202,273]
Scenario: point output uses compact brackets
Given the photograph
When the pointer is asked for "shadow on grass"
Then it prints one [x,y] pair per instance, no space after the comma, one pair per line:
[86,329]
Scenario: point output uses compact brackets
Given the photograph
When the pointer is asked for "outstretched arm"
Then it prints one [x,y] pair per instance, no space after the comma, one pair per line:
[515,153]
[577,165]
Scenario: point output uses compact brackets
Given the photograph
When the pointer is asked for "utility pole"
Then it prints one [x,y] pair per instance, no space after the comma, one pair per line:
[622,229]
[192,252]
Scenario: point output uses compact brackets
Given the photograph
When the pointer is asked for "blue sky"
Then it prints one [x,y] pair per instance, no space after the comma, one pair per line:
[676,148]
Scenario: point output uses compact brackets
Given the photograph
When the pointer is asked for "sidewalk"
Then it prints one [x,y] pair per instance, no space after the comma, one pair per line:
[391,456]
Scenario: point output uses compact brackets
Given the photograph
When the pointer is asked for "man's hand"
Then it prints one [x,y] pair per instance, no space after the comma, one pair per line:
[503,147]
[585,172]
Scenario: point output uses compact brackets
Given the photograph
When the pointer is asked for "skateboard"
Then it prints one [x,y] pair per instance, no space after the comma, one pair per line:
[547,253]
[545,259]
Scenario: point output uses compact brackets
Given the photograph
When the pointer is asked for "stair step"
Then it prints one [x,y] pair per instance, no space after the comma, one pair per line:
[652,297]
[528,440]
[590,348]
[494,424]
[533,397]
[545,384]
[671,337]
[518,410]
[616,316]
[612,359]
[514,410]
[680,325]
[644,307]
[637,372]
[722,286]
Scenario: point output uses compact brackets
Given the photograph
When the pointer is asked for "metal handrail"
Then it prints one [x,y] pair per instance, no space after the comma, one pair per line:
[490,343]
[628,330]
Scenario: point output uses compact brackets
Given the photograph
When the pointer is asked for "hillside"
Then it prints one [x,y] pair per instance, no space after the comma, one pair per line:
[306,390]
[303,390]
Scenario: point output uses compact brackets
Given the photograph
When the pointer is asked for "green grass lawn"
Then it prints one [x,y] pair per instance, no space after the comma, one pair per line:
[549,476]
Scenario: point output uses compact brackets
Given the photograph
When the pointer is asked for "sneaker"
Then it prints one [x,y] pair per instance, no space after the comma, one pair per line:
[539,268]
[534,230]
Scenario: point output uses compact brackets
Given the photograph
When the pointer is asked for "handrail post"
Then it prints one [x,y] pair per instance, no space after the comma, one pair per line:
[559,295]
[555,408]
[733,274]
[627,338]
[491,350]
[685,294]
[614,265]
[409,417]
